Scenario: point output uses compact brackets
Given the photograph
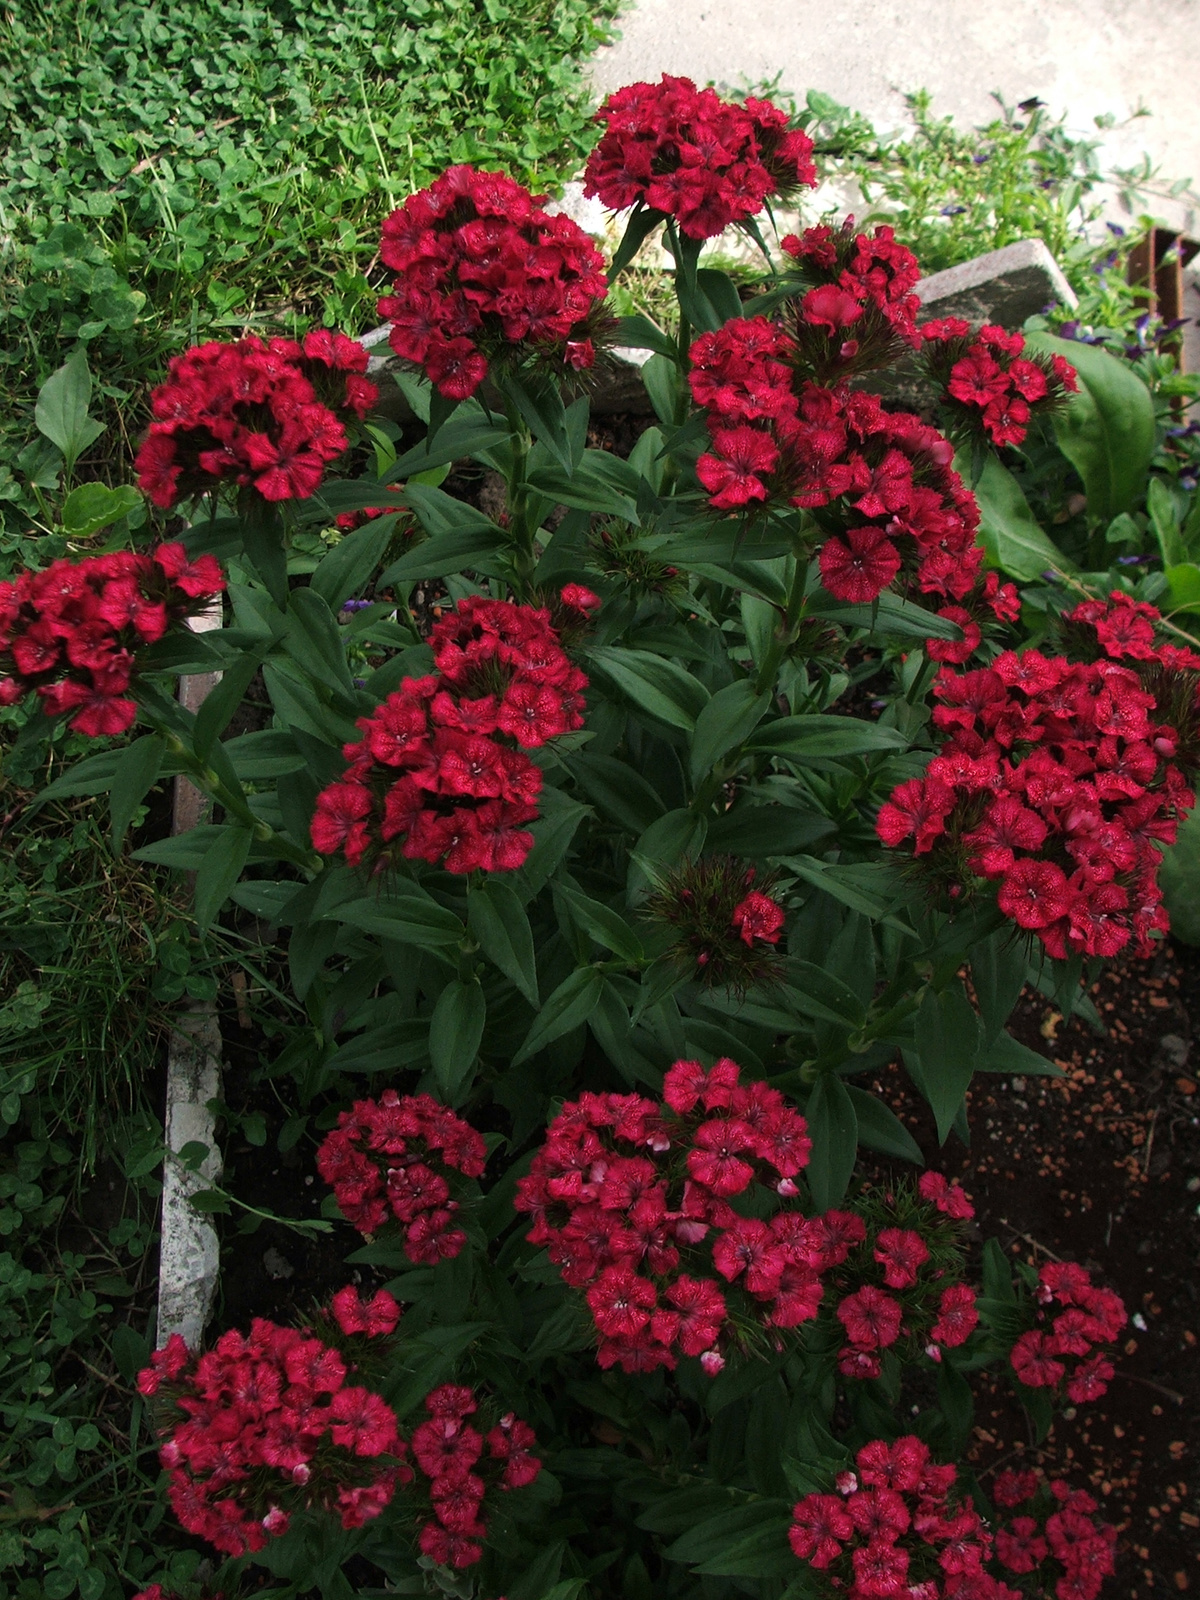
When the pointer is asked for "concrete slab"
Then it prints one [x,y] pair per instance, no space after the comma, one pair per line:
[1004,286]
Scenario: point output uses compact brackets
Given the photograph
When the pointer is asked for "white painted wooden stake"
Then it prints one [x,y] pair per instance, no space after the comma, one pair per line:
[189,1251]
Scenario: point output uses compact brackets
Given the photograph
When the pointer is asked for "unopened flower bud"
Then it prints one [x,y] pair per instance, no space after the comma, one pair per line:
[846,1482]
[786,1188]
[712,1362]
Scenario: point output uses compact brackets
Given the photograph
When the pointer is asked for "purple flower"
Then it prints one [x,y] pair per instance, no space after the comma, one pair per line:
[356,605]
[1115,229]
[1129,561]
[953,211]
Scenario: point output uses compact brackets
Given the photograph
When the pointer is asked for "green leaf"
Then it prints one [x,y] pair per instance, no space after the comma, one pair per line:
[606,926]
[722,1534]
[1107,431]
[1164,519]
[348,566]
[1183,587]
[833,1129]
[140,764]
[539,405]
[797,738]
[262,541]
[222,700]
[617,789]
[455,550]
[642,223]
[880,1129]
[264,897]
[665,843]
[61,412]
[957,1406]
[130,1352]
[728,720]
[1179,878]
[314,640]
[998,966]
[412,918]
[454,1034]
[1012,1058]
[947,1039]
[759,831]
[848,885]
[93,506]
[570,1004]
[639,333]
[655,684]
[267,754]
[219,871]
[499,923]
[1009,532]
[816,993]
[719,289]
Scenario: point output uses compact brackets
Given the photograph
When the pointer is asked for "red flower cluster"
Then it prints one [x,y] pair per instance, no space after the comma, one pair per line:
[71,632]
[484,271]
[440,774]
[990,600]
[273,1421]
[687,153]
[632,1200]
[911,1243]
[876,481]
[1058,779]
[989,381]
[265,416]
[1046,1356]
[758,917]
[390,1158]
[1057,1538]
[860,312]
[897,1528]
[462,1463]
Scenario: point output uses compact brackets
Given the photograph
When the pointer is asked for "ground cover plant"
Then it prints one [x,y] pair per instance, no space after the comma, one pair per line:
[151,153]
[594,876]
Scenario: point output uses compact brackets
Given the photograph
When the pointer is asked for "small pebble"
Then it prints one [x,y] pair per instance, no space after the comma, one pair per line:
[277,1265]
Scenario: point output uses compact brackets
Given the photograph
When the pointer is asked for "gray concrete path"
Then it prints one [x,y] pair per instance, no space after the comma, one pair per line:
[1084,57]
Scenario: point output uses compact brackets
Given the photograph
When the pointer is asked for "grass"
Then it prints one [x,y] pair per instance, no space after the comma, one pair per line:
[171,173]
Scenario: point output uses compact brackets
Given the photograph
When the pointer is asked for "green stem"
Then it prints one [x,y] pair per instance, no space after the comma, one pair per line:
[235,805]
[524,554]
[785,633]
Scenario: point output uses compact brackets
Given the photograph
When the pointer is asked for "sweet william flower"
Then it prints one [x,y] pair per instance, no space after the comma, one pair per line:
[758,917]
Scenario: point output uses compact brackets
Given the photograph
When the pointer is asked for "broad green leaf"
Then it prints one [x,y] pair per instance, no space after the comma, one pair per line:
[348,566]
[642,223]
[655,684]
[264,897]
[1009,1056]
[222,700]
[570,1004]
[617,789]
[92,775]
[1009,532]
[1179,878]
[947,1040]
[314,640]
[881,1129]
[412,918]
[854,886]
[552,835]
[61,412]
[998,966]
[1183,588]
[499,923]
[266,754]
[539,405]
[796,738]
[719,1535]
[665,843]
[890,614]
[728,719]
[219,871]
[139,766]
[606,926]
[1107,431]
[816,993]
[957,1406]
[454,1034]
[1164,519]
[93,506]
[639,333]
[759,831]
[833,1129]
